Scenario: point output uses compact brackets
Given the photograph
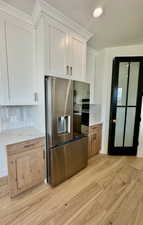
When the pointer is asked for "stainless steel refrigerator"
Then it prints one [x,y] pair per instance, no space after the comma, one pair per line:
[67,149]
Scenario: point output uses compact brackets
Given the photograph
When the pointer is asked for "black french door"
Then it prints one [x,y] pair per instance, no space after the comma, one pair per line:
[125,110]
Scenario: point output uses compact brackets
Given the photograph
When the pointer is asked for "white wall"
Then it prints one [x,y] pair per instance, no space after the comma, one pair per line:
[105,73]
[99,76]
[95,95]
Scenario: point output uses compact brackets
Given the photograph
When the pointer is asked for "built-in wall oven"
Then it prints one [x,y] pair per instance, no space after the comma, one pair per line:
[85,111]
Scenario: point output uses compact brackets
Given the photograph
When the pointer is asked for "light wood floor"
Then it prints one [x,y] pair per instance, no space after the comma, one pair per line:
[108,192]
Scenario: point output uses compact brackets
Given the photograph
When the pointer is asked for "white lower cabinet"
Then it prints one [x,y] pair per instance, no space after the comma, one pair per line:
[17,60]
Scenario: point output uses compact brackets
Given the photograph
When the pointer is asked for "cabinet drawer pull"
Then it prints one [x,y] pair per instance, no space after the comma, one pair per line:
[28,146]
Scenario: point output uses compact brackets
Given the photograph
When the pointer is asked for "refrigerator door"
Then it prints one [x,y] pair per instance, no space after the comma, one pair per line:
[81,105]
[67,160]
[59,110]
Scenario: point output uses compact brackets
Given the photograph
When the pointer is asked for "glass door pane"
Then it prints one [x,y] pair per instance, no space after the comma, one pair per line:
[130,124]
[125,109]
[126,103]
[122,83]
[133,83]
[119,130]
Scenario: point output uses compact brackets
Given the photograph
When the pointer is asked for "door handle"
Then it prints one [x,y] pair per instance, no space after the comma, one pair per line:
[36,97]
[114,121]
[67,70]
[43,154]
[71,70]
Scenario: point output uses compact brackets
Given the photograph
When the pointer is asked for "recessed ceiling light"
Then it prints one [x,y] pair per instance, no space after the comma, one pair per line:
[98,12]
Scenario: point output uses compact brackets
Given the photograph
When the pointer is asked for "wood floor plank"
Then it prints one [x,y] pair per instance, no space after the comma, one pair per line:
[108,192]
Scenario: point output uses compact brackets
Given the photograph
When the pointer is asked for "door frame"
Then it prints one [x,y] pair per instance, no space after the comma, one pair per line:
[113,103]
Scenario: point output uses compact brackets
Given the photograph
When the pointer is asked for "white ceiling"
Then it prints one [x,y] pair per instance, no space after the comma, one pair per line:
[121,23]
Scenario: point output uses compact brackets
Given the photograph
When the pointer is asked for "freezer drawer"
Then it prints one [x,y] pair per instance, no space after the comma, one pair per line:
[67,160]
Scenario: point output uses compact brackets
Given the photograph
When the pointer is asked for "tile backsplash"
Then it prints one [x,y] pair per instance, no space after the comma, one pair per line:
[95,113]
[12,117]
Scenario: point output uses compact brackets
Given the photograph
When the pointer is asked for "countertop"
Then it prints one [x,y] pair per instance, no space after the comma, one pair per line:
[19,135]
[95,123]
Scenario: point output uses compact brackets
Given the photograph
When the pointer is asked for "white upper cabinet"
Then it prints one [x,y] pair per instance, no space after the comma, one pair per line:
[17,86]
[63,43]
[57,45]
[59,51]
[64,51]
[19,47]
[78,58]
[4,91]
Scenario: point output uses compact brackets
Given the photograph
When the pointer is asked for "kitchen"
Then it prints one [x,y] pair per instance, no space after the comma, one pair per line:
[37,49]
[22,88]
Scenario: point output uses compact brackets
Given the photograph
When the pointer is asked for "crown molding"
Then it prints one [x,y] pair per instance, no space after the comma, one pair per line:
[42,7]
[10,10]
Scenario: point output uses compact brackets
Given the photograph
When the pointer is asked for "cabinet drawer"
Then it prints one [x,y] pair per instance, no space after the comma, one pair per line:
[26,165]
[25,146]
[94,140]
[95,128]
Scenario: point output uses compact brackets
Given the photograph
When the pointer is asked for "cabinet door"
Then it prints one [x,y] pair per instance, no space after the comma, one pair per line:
[99,137]
[94,140]
[30,169]
[20,64]
[92,145]
[25,170]
[24,175]
[59,51]
[4,93]
[37,166]
[78,58]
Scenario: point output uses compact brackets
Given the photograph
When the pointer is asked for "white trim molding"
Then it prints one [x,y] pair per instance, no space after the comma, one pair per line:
[42,7]
[12,11]
[91,50]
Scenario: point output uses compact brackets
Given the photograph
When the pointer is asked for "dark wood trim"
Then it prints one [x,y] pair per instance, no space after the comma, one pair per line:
[113,106]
